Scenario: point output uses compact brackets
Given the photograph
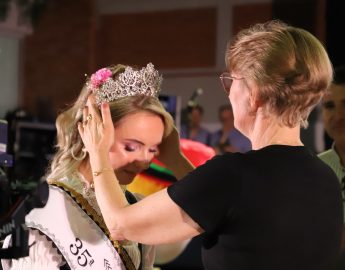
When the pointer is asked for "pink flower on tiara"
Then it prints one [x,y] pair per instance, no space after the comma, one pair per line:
[99,77]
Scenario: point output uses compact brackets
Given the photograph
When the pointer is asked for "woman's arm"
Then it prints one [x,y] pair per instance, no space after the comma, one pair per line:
[154,220]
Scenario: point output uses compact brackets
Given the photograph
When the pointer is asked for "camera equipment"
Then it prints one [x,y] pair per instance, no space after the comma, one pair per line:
[13,222]
[17,200]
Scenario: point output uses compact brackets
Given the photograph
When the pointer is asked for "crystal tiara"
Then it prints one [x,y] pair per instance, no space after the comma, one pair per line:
[145,81]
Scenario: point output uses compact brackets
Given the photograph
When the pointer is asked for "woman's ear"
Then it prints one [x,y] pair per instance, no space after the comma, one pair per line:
[254,98]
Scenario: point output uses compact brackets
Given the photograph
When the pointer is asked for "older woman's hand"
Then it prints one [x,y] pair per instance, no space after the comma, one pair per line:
[96,131]
[169,149]
[171,155]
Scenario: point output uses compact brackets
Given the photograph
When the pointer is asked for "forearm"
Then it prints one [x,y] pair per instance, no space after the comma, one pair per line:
[109,194]
[155,219]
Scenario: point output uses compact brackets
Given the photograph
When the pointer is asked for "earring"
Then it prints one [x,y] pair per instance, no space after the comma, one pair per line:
[79,158]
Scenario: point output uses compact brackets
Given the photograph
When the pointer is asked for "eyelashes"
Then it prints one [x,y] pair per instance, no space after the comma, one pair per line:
[133,148]
[130,148]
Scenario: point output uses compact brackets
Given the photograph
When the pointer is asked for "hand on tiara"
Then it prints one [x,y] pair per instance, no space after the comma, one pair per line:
[96,131]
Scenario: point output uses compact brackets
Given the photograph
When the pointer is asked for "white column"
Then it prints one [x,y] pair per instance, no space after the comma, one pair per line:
[9,67]
[11,33]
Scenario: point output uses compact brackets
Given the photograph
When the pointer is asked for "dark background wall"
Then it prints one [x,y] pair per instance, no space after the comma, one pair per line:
[72,39]
[335,31]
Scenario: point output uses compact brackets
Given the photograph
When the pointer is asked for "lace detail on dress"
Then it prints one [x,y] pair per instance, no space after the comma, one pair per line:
[43,255]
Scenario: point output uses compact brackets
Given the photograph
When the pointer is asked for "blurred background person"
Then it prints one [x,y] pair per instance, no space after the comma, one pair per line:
[228,138]
[193,129]
[333,116]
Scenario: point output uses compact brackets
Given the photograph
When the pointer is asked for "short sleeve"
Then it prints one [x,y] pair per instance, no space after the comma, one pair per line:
[208,194]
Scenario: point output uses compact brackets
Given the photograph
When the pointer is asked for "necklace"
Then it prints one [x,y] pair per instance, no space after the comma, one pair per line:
[90,186]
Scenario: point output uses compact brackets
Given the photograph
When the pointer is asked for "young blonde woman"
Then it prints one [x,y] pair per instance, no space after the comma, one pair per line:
[69,232]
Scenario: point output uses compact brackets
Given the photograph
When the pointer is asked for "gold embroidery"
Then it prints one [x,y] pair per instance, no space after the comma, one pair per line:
[84,204]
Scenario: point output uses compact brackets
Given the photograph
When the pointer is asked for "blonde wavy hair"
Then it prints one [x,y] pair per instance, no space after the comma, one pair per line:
[69,148]
[288,64]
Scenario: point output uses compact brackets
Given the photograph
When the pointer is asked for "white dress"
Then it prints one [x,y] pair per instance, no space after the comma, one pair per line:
[43,254]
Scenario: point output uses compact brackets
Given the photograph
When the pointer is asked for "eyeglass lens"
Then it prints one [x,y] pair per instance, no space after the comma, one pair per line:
[226,81]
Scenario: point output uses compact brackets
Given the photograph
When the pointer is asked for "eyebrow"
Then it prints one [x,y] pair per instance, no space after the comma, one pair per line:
[135,140]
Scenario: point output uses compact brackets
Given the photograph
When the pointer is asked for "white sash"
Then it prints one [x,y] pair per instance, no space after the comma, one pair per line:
[66,220]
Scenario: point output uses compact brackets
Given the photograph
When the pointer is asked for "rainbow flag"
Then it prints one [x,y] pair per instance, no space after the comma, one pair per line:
[158,176]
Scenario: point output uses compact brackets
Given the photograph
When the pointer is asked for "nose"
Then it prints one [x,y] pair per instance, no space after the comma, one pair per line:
[144,159]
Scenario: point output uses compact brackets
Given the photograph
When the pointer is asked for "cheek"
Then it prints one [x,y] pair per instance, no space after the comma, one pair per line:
[118,157]
[326,117]
[231,97]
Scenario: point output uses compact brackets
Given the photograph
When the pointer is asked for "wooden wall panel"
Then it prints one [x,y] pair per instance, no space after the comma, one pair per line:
[169,39]
[56,57]
[249,14]
[299,13]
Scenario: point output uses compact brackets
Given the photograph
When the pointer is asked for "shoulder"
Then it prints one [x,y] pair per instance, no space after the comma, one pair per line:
[220,167]
[74,182]
[326,152]
[326,155]
[217,132]
[226,159]
[330,157]
[204,131]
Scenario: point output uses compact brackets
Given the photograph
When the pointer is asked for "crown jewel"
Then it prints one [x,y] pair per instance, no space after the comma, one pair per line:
[146,81]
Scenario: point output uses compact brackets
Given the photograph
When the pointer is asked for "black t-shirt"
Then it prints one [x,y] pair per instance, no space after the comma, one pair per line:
[276,208]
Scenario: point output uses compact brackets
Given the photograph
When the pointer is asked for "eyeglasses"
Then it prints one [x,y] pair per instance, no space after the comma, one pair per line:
[227,80]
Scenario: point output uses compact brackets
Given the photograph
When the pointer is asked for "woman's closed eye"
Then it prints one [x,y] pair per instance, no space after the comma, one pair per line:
[131,147]
[154,150]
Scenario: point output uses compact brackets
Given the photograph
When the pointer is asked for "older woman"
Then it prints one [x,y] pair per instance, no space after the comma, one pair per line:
[268,208]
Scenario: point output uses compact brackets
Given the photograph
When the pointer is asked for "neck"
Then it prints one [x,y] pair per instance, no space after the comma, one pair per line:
[267,131]
[85,170]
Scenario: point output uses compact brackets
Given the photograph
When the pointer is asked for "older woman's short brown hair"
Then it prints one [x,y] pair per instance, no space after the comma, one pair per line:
[289,65]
